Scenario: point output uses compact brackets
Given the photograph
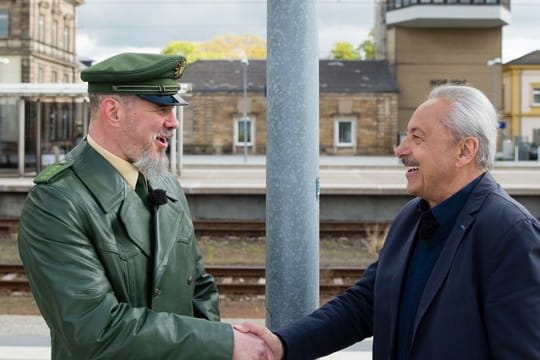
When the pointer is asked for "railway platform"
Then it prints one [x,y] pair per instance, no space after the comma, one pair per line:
[352,188]
[26,337]
[339,174]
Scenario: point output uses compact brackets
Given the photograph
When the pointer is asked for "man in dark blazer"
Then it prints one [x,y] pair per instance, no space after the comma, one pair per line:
[459,274]
[106,236]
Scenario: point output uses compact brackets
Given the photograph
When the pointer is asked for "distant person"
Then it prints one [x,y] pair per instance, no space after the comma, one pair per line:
[106,236]
[459,274]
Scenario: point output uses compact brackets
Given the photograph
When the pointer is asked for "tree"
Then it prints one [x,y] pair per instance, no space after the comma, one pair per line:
[221,47]
[367,47]
[344,51]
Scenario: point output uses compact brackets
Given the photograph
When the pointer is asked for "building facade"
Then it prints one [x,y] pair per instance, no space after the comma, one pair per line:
[357,108]
[433,42]
[521,89]
[37,41]
[37,46]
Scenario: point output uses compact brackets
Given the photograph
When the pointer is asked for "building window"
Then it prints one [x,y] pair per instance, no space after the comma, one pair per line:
[66,78]
[54,33]
[4,23]
[66,37]
[54,76]
[41,28]
[41,75]
[345,131]
[536,95]
[244,131]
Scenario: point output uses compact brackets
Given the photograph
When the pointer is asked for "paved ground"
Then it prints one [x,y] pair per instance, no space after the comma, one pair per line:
[338,175]
[26,337]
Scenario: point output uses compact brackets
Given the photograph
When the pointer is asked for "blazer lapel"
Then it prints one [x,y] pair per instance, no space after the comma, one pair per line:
[137,221]
[397,279]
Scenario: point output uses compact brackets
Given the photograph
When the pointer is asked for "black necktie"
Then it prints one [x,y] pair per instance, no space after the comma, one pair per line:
[142,189]
[428,225]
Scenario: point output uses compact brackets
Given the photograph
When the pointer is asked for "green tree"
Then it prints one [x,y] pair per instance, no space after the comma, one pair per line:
[221,47]
[344,51]
[367,47]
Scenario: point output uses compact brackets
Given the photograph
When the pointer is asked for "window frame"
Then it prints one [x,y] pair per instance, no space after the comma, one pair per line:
[535,93]
[236,134]
[4,12]
[41,28]
[67,37]
[341,119]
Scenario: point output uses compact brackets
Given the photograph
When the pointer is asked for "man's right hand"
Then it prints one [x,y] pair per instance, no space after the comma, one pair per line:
[262,332]
[248,346]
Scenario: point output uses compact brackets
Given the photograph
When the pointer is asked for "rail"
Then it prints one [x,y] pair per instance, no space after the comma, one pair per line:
[249,227]
[398,4]
[231,280]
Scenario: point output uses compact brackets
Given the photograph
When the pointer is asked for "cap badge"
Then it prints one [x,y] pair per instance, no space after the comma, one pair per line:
[179,70]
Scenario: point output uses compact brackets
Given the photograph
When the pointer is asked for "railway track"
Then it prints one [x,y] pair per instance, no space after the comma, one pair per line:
[250,227]
[231,280]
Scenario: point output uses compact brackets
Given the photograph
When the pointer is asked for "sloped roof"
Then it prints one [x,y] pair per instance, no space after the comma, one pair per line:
[350,76]
[532,58]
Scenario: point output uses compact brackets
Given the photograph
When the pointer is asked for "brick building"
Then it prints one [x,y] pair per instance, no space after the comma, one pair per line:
[37,41]
[37,45]
[357,108]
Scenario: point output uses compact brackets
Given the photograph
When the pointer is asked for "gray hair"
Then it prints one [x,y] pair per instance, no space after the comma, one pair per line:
[95,101]
[471,114]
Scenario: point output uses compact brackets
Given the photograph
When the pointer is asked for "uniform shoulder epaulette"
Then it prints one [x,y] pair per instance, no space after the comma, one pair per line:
[51,171]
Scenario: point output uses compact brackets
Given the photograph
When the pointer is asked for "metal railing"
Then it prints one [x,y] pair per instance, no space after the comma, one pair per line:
[398,4]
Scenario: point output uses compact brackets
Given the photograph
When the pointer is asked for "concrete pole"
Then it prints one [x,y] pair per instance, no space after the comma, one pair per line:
[292,158]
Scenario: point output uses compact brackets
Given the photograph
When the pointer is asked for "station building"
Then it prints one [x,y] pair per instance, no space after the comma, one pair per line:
[357,108]
[521,88]
[364,106]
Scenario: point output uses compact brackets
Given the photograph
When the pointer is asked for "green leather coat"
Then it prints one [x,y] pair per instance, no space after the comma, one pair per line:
[106,290]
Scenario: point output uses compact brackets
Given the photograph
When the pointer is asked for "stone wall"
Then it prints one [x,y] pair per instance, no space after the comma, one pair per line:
[209,122]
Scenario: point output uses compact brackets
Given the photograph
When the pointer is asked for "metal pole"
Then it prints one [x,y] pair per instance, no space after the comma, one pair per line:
[292,182]
[180,135]
[495,92]
[245,64]
[174,153]
[21,152]
[38,136]
[494,65]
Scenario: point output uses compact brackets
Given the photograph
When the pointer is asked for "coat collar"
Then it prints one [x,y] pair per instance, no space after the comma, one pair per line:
[99,176]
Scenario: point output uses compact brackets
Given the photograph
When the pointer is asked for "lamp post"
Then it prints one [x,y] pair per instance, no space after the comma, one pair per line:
[493,63]
[3,61]
[245,64]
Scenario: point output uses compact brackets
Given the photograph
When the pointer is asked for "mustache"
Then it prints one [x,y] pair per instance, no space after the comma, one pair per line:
[165,133]
[407,161]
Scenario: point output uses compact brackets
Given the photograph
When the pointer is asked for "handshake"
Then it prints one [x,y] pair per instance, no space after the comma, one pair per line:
[252,341]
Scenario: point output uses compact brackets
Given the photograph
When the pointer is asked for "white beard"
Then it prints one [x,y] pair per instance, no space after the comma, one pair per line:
[154,169]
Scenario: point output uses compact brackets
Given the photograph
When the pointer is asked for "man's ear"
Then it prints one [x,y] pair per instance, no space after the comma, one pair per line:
[111,110]
[468,148]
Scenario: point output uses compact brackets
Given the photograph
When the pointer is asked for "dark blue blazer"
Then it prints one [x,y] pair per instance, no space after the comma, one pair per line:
[481,301]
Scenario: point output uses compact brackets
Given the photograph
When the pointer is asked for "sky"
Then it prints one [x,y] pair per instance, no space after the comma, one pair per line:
[108,27]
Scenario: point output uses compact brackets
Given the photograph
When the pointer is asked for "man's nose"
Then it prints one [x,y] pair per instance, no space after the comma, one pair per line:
[171,122]
[401,149]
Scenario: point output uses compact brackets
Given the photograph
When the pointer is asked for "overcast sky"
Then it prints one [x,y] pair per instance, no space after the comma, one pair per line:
[107,27]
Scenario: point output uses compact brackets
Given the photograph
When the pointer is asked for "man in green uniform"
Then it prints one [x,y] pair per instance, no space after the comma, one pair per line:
[106,237]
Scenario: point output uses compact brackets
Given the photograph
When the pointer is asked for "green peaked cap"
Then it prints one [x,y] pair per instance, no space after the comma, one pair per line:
[136,73]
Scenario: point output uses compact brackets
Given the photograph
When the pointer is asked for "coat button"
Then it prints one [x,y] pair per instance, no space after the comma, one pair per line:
[157,292]
[189,280]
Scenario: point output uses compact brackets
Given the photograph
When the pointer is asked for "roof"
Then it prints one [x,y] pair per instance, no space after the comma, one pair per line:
[532,58]
[351,76]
